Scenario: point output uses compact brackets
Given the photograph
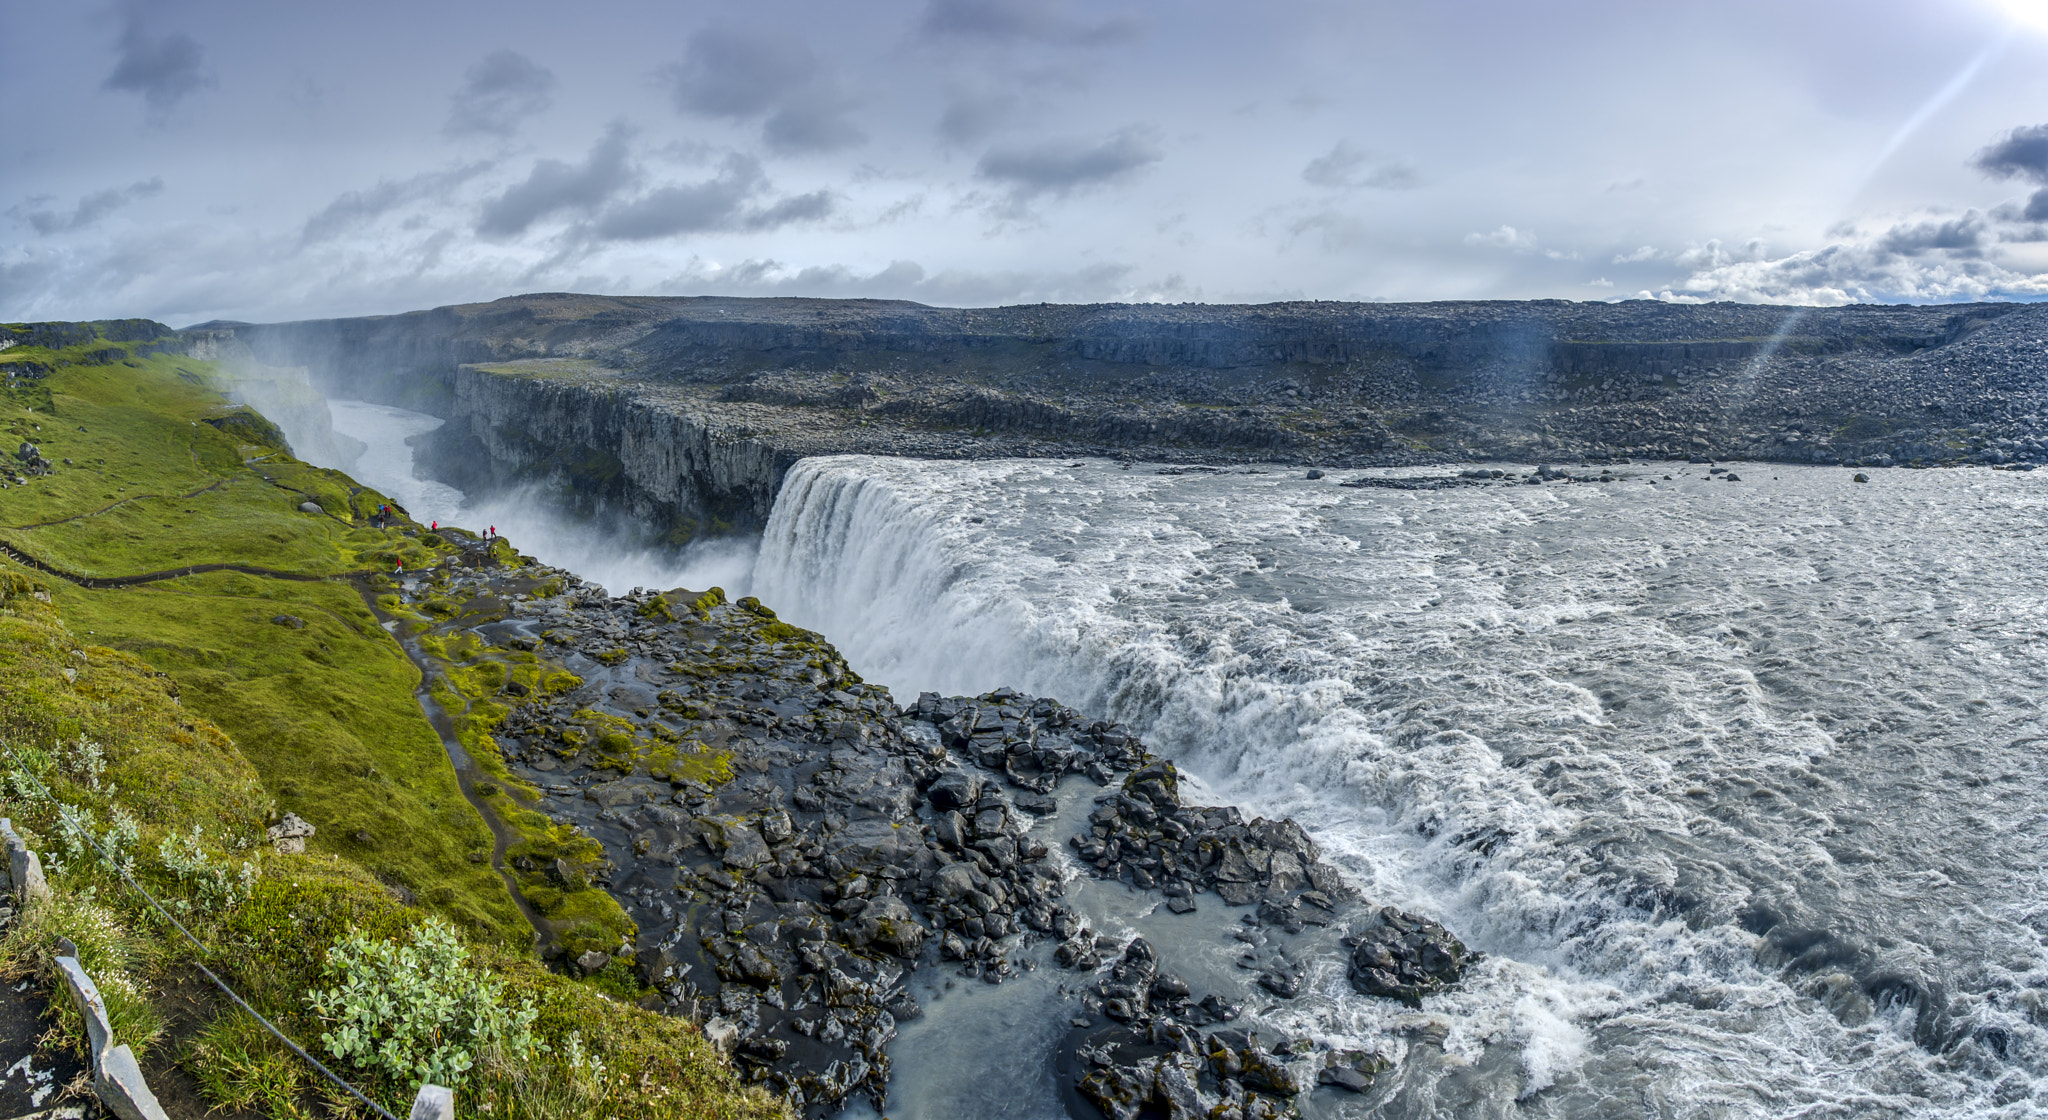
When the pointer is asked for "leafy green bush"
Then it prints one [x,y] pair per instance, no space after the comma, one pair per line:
[417,1012]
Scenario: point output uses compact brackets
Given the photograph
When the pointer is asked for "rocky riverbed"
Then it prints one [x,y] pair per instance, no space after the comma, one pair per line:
[800,854]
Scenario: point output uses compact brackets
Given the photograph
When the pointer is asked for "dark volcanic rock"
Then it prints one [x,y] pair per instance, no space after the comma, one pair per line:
[1405,957]
[795,850]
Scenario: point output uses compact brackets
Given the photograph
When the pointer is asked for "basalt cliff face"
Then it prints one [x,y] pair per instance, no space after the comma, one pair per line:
[686,411]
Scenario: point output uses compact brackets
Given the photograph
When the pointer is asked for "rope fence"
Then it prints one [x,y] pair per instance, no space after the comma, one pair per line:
[121,1076]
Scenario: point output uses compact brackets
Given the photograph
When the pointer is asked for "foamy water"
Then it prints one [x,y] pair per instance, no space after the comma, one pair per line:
[1739,783]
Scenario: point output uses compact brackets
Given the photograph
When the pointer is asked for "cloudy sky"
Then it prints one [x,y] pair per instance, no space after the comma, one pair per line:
[236,159]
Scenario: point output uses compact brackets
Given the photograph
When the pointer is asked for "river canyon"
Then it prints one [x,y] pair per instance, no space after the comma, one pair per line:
[1720,767]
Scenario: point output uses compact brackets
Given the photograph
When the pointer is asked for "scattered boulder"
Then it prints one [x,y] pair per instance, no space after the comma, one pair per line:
[1351,1070]
[310,507]
[888,925]
[744,847]
[288,836]
[723,1035]
[1404,957]
[956,789]
[289,621]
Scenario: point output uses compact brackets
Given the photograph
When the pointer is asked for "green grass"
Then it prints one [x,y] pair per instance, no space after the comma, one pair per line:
[327,716]
[186,705]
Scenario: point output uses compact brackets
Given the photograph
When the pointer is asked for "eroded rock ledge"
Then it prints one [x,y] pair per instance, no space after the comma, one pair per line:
[795,851]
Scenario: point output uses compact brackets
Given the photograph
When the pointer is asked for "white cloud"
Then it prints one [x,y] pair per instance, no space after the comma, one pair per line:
[1915,259]
[1506,237]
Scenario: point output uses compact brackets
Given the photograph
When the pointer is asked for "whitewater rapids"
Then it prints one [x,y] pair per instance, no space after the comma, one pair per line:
[1739,784]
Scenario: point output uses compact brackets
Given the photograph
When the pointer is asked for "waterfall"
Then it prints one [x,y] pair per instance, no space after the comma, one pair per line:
[849,554]
[1577,724]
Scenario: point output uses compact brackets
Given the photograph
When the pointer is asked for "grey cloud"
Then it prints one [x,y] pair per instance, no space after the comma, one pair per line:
[1347,167]
[721,203]
[712,204]
[1058,167]
[554,186]
[814,121]
[974,116]
[740,75]
[729,73]
[163,68]
[2021,154]
[1957,235]
[1040,21]
[353,209]
[497,93]
[2037,207]
[796,208]
[92,207]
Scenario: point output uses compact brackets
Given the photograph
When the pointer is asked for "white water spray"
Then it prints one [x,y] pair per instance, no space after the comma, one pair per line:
[1588,727]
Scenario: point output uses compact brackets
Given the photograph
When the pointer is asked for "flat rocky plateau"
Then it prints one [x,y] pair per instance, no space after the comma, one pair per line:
[687,411]
[1315,382]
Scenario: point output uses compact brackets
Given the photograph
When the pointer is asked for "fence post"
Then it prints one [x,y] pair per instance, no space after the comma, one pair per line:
[116,1077]
[22,864]
[435,1102]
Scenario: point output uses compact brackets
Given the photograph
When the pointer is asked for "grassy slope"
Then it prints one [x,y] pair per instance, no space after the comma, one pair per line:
[326,714]
[215,715]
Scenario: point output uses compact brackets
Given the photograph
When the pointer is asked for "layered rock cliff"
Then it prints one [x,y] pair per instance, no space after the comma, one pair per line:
[686,411]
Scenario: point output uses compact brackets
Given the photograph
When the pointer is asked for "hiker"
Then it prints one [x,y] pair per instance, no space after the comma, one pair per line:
[434,528]
[494,530]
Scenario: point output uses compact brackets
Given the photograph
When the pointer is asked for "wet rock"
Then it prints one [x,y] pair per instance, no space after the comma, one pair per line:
[853,847]
[1405,957]
[744,847]
[950,829]
[289,621]
[888,925]
[988,823]
[1282,982]
[1351,1070]
[956,789]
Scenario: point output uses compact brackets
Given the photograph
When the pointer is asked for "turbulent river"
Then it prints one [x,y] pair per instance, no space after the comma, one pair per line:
[1738,785]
